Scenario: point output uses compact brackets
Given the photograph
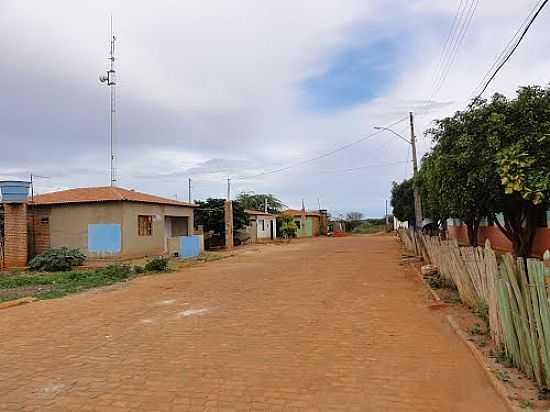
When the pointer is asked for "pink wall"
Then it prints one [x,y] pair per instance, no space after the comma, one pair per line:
[498,240]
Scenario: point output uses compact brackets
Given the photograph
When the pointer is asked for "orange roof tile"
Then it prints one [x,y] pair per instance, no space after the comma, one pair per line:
[102,194]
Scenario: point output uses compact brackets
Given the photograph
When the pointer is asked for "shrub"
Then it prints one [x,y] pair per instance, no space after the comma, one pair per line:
[59,259]
[287,228]
[157,264]
[138,269]
[115,271]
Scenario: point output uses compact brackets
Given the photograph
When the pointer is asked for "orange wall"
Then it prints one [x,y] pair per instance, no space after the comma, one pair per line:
[498,240]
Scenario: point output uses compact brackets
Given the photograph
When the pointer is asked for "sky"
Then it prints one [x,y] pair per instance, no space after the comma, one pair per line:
[248,90]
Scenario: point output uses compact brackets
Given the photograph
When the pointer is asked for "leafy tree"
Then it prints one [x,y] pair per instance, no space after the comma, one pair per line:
[523,165]
[458,178]
[210,214]
[402,201]
[287,226]
[256,201]
[494,157]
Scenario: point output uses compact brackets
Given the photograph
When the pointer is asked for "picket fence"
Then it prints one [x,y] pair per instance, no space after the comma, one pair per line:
[515,292]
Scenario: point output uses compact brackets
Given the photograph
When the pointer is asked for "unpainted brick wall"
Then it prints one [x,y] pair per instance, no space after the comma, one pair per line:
[16,235]
[39,230]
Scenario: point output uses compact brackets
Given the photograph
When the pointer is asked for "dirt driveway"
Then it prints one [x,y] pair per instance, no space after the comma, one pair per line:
[322,324]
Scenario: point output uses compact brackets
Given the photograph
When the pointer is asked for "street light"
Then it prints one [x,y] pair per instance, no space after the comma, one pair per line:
[412,142]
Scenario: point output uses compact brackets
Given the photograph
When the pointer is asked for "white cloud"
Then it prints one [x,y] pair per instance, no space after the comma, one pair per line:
[204,83]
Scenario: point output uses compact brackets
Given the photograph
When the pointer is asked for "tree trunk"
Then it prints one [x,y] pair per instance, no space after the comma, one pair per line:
[473,229]
[520,226]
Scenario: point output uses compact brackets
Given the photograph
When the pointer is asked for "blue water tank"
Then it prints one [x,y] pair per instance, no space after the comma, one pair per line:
[14,191]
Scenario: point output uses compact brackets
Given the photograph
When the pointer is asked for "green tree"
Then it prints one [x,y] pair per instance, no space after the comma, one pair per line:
[210,214]
[458,178]
[493,158]
[523,165]
[256,201]
[402,201]
[287,226]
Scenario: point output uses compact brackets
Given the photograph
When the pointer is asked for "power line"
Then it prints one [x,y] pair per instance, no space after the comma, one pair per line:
[514,48]
[506,49]
[353,169]
[448,41]
[464,27]
[321,156]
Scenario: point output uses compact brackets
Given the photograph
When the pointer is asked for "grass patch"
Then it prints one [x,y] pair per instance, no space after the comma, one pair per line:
[368,228]
[57,284]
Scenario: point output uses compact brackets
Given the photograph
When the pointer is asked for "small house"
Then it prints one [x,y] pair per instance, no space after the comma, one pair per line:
[262,226]
[310,223]
[111,221]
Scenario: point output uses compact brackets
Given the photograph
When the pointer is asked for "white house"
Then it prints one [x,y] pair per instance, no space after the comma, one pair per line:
[262,226]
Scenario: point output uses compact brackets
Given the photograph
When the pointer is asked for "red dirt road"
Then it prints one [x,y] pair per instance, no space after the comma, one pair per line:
[323,324]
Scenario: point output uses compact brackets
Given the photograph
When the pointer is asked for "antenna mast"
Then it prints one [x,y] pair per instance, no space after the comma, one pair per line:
[109,78]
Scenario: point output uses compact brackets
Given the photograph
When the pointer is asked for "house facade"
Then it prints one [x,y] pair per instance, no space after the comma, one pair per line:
[310,223]
[262,226]
[106,222]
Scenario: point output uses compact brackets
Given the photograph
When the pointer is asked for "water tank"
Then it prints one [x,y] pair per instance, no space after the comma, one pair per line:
[14,191]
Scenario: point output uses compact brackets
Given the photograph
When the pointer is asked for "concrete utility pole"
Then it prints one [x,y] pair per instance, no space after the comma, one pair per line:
[387,220]
[228,188]
[417,201]
[412,142]
[189,190]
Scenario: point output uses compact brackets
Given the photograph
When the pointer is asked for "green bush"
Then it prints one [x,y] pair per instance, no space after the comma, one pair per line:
[115,271]
[157,264]
[57,260]
[287,228]
[138,269]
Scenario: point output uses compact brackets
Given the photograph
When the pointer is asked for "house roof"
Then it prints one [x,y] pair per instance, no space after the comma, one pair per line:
[102,194]
[299,212]
[257,212]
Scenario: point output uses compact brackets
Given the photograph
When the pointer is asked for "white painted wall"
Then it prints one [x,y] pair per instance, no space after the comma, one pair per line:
[263,231]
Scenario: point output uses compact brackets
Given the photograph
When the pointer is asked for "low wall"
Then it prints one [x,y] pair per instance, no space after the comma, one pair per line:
[498,240]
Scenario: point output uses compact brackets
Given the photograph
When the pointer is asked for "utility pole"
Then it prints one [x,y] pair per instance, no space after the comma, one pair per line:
[417,201]
[189,190]
[387,219]
[228,188]
[32,190]
[110,79]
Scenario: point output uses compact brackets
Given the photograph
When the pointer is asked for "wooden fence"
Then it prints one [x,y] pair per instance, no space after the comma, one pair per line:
[516,293]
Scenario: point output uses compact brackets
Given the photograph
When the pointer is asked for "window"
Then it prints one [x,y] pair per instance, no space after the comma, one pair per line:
[145,225]
[263,224]
[44,220]
[298,223]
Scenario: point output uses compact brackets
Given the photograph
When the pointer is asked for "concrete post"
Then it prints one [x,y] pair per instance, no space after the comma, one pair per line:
[15,235]
[324,222]
[228,217]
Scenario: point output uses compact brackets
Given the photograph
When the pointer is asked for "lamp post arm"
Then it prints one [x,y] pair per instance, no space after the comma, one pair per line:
[394,132]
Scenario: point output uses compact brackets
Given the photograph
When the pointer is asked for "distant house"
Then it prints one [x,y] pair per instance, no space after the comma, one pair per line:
[262,226]
[111,222]
[310,223]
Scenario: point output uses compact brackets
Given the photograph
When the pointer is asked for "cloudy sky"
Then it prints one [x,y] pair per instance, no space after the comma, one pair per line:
[211,89]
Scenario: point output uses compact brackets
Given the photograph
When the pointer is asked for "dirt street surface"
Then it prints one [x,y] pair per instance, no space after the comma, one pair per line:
[322,324]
